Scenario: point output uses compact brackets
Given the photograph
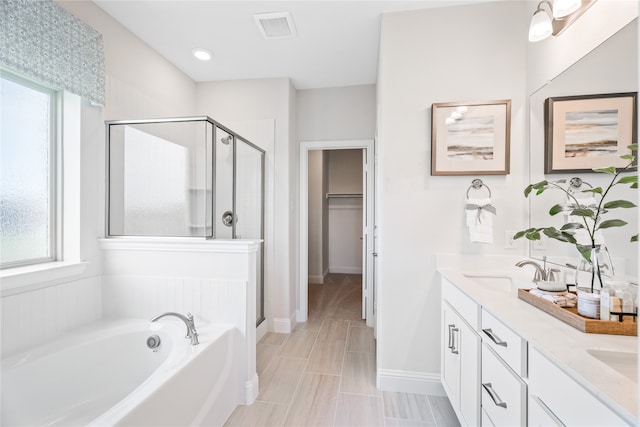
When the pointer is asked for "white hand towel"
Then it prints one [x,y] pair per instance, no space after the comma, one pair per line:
[566,300]
[479,215]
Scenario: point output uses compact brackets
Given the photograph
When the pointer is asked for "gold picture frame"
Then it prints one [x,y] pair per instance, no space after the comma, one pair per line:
[586,132]
[471,138]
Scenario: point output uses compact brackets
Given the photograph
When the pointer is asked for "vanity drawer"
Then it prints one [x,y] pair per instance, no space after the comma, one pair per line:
[464,305]
[507,344]
[567,400]
[503,393]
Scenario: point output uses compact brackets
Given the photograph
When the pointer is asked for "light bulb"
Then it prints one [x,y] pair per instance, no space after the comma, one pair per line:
[562,8]
[540,27]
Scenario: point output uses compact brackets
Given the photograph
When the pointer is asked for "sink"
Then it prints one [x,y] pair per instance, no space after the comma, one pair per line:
[624,362]
[499,282]
[496,283]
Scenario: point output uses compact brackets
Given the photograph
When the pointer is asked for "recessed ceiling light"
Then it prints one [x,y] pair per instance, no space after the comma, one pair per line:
[202,54]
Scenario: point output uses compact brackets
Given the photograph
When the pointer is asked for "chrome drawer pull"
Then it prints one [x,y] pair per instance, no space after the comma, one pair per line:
[494,396]
[451,336]
[454,350]
[494,337]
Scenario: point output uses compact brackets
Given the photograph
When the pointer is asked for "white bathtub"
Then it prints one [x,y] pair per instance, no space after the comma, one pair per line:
[105,375]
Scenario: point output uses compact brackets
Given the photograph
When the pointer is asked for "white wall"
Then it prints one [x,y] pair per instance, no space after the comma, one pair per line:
[262,100]
[465,53]
[139,84]
[345,214]
[336,113]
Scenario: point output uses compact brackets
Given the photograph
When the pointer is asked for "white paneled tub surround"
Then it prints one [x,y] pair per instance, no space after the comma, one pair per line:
[32,317]
[215,280]
[104,374]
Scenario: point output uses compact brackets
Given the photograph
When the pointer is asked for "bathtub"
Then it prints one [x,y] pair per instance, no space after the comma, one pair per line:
[105,375]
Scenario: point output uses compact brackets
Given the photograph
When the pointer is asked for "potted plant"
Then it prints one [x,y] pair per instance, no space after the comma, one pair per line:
[587,217]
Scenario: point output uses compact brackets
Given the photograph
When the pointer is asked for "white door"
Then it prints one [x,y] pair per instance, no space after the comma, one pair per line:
[368,311]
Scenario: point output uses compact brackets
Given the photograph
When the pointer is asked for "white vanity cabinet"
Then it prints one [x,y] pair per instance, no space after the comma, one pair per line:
[556,397]
[460,362]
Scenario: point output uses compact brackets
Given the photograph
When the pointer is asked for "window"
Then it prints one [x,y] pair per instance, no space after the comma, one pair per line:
[28,184]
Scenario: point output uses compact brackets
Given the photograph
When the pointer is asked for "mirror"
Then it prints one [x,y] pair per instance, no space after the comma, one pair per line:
[611,67]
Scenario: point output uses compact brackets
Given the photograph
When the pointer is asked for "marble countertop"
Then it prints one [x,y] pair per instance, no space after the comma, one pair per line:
[566,346]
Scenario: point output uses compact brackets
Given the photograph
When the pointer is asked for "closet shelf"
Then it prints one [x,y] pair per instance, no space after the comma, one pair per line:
[343,195]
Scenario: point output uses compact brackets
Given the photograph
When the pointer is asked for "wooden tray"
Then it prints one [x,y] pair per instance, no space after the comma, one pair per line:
[584,324]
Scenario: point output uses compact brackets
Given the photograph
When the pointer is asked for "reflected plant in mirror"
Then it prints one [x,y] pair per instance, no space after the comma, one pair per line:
[585,214]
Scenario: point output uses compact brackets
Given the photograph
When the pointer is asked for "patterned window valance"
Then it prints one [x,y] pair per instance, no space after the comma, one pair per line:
[43,41]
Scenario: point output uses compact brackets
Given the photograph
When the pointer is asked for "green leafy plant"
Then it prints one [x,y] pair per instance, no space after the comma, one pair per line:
[590,217]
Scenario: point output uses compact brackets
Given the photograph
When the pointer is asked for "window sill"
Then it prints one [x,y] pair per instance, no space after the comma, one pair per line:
[29,278]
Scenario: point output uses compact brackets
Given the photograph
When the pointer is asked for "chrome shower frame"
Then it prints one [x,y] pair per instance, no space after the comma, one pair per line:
[210,208]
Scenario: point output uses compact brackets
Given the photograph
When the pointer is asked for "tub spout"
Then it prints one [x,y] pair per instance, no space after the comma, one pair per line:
[192,334]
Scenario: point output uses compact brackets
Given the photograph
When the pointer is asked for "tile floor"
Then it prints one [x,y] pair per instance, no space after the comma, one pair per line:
[323,373]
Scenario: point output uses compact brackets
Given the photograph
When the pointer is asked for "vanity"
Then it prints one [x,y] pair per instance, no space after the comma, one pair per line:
[505,362]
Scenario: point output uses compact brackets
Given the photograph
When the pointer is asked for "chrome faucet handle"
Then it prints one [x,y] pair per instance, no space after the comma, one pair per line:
[551,274]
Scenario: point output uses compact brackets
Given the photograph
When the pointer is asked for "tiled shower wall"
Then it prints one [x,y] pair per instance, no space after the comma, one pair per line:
[35,317]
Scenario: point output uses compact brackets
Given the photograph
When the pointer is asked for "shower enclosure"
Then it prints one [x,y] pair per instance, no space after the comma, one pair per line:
[185,177]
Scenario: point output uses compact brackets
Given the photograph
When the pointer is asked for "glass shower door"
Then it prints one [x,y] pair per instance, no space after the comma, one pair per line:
[249,179]
[224,210]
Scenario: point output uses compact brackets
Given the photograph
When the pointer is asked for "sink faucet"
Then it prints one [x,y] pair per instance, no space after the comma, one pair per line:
[192,334]
[541,272]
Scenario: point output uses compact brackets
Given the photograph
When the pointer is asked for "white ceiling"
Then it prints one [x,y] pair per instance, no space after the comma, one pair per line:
[337,43]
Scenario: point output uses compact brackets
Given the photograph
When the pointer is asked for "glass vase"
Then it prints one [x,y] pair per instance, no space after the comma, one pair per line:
[590,277]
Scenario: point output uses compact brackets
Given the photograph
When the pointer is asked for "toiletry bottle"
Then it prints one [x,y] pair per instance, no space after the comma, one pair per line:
[625,298]
[605,301]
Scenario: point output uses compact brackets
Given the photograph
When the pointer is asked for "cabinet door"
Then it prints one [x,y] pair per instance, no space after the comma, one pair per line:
[470,347]
[451,354]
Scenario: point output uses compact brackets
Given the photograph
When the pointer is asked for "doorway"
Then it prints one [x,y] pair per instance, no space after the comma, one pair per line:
[345,198]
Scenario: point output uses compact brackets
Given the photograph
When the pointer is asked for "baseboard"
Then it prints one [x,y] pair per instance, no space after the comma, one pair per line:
[316,279]
[284,326]
[251,388]
[346,270]
[409,382]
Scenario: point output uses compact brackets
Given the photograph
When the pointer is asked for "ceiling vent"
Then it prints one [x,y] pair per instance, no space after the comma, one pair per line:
[276,25]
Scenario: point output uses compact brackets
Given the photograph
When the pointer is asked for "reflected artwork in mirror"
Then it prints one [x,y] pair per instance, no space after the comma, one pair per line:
[585,132]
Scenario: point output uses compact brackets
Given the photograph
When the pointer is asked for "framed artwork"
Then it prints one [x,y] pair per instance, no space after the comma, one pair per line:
[587,132]
[470,138]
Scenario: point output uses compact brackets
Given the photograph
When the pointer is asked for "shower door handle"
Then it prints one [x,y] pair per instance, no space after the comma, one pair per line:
[228,218]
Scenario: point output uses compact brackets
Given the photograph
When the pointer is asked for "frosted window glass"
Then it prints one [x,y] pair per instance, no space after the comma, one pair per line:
[25,187]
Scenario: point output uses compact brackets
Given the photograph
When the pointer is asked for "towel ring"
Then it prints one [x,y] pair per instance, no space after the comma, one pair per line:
[477,184]
[575,183]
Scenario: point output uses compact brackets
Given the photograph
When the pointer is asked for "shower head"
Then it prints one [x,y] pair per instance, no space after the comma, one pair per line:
[226,140]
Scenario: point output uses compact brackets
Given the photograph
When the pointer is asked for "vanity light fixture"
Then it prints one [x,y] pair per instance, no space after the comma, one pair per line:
[202,54]
[540,27]
[562,8]
[552,18]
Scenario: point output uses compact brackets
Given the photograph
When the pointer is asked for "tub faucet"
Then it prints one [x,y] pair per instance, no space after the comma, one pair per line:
[192,334]
[541,272]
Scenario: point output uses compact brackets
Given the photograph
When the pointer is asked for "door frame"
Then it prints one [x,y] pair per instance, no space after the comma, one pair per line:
[303,233]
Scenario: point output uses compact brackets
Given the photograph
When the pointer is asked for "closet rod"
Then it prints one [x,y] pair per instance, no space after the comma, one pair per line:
[343,195]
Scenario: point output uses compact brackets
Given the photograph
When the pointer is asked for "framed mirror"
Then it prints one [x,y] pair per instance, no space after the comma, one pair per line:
[610,68]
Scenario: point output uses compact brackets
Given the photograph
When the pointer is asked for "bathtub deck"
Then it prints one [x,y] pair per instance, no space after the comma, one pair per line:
[323,373]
